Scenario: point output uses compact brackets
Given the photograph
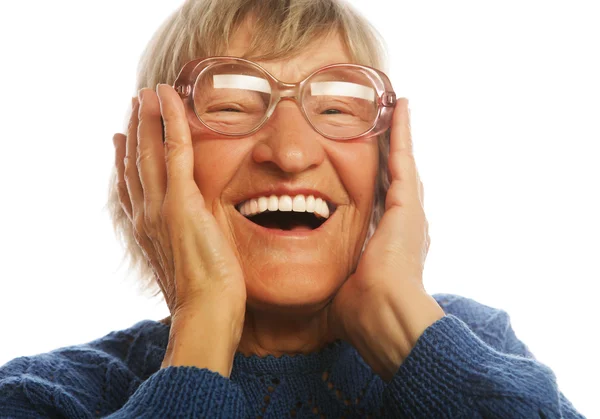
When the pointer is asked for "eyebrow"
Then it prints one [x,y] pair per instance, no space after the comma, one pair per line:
[327,88]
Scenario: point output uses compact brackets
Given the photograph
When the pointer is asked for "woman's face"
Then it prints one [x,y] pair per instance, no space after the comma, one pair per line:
[300,271]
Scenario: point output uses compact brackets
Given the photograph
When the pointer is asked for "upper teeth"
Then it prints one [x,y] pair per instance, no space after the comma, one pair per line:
[298,203]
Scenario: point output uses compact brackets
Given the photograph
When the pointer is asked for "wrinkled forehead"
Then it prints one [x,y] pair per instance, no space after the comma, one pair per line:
[320,52]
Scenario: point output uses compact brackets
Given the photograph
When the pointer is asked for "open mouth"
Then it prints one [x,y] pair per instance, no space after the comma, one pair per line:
[288,220]
[300,213]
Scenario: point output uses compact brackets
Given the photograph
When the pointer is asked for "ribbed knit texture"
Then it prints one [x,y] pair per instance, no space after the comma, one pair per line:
[469,364]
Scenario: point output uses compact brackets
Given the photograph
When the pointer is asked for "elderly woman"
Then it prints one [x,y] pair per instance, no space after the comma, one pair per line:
[268,187]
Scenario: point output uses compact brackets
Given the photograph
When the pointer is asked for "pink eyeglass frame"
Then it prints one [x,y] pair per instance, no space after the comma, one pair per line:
[186,81]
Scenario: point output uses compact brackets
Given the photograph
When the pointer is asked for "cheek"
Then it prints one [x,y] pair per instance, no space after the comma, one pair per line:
[357,166]
[214,165]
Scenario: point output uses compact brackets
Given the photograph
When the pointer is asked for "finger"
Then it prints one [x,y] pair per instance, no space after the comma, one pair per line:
[152,170]
[178,144]
[401,164]
[150,153]
[401,148]
[119,143]
[132,178]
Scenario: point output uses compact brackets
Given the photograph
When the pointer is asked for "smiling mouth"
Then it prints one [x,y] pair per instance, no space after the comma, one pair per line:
[288,220]
[286,213]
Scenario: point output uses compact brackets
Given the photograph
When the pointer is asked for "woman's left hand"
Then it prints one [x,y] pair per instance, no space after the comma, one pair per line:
[383,308]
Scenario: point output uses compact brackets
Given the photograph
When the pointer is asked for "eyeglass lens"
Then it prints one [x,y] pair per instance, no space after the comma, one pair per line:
[235,98]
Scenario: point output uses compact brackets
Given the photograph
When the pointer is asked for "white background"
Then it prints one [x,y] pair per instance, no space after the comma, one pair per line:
[505,115]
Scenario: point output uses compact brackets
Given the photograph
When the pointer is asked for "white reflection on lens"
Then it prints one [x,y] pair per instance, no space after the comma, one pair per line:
[240,81]
[342,88]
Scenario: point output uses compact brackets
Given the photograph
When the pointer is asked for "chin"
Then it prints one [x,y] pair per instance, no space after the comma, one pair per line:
[291,287]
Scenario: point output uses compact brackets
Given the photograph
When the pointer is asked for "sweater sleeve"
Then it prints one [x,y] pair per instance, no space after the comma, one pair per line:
[88,386]
[452,373]
[190,392]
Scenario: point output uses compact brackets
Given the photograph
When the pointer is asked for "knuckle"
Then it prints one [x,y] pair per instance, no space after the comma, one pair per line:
[172,144]
[139,224]
[128,164]
[151,221]
[174,141]
[122,191]
[130,170]
[141,158]
[128,178]
[138,237]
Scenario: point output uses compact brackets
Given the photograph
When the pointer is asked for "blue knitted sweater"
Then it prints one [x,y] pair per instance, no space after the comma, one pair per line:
[469,364]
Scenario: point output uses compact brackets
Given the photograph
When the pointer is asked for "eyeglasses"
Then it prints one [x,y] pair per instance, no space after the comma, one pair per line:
[236,97]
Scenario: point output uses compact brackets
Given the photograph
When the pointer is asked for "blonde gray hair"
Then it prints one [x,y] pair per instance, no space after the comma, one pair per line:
[280,29]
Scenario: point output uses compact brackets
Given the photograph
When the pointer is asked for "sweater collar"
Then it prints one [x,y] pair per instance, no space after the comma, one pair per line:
[318,361]
[315,362]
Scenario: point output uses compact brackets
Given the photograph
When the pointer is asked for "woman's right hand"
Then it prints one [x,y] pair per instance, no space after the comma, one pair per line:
[195,266]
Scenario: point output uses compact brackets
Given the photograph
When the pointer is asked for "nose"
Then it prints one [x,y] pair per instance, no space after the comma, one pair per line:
[290,142]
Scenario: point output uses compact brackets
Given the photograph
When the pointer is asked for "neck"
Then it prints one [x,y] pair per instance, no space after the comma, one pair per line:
[276,333]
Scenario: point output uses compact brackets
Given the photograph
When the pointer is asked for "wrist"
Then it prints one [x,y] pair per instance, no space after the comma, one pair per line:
[395,328]
[192,352]
[202,340]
